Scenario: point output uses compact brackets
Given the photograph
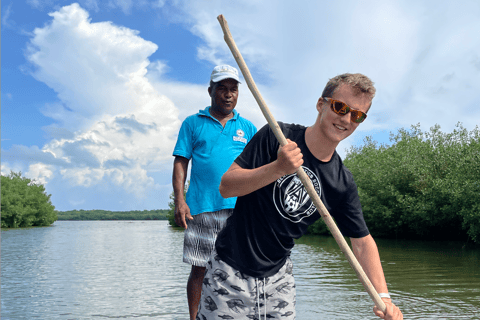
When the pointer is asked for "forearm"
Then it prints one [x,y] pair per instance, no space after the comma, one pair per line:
[238,181]
[366,252]
[179,176]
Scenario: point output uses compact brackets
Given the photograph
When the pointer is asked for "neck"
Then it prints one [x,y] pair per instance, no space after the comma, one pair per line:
[223,118]
[321,148]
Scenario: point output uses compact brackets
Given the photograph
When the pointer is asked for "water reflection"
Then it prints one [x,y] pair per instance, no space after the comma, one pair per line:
[124,270]
[101,269]
[428,280]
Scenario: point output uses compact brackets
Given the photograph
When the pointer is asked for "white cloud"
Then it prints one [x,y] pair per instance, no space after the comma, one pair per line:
[91,5]
[95,68]
[423,56]
[6,22]
[40,173]
[116,123]
[7,167]
[120,128]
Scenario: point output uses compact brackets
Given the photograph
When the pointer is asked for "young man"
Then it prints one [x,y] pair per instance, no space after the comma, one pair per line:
[212,138]
[250,275]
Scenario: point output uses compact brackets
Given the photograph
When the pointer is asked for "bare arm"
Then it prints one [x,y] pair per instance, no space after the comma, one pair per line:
[182,211]
[366,251]
[238,181]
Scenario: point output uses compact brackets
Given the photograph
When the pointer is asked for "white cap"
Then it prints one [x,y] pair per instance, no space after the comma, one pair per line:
[220,73]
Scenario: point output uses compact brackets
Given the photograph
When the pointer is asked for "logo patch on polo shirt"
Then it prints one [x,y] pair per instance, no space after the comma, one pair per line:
[239,136]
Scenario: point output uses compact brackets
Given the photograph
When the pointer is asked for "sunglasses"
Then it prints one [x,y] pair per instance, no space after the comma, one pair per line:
[342,109]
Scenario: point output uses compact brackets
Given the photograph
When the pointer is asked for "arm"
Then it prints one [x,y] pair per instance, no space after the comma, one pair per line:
[182,211]
[238,181]
[366,251]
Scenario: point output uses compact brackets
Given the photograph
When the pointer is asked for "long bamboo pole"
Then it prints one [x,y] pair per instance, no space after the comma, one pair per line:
[327,218]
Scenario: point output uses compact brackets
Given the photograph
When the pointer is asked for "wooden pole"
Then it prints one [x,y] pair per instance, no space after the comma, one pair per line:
[327,218]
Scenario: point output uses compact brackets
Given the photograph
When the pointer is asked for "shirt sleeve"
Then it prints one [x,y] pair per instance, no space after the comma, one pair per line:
[184,145]
[349,214]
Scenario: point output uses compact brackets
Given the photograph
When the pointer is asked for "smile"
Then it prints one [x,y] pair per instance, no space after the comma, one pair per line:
[340,127]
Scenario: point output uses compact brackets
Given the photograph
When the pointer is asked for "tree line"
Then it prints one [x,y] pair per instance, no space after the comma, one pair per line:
[424,185]
[159,214]
[25,203]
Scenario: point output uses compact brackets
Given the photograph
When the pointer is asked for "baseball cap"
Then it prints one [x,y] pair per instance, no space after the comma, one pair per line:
[222,72]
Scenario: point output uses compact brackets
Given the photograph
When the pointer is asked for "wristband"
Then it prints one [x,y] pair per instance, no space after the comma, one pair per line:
[384,295]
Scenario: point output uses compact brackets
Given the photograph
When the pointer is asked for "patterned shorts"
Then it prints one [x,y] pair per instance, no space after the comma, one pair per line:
[200,236]
[229,294]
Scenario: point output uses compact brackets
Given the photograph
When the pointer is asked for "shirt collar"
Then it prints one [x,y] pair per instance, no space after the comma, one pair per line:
[206,112]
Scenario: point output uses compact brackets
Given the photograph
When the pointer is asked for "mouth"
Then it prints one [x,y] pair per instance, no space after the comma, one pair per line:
[340,127]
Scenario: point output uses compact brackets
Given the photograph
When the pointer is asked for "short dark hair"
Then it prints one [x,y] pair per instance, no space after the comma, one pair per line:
[360,83]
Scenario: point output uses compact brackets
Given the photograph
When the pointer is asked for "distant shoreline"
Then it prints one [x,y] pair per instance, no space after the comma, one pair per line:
[96,215]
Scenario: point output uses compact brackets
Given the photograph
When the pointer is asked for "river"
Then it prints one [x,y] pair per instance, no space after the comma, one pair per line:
[134,270]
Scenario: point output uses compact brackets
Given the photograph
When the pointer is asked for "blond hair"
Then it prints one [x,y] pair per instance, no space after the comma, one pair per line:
[358,82]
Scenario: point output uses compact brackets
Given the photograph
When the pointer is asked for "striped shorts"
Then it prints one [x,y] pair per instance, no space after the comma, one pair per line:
[200,236]
[229,294]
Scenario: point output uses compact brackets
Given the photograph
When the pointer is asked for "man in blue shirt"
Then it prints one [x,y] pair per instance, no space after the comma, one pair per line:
[212,138]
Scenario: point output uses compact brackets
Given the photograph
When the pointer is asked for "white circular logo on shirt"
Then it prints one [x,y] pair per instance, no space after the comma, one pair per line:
[240,133]
[291,199]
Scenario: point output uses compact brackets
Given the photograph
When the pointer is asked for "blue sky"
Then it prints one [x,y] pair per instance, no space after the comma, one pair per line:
[94,92]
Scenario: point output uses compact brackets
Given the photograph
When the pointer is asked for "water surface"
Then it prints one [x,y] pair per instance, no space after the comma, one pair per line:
[134,270]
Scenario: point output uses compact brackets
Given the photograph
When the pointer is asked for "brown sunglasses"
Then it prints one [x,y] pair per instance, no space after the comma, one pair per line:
[341,108]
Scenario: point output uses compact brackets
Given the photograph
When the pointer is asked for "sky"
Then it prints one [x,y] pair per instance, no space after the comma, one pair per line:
[93,92]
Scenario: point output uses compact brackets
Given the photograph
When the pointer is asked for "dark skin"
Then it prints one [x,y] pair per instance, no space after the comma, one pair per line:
[224,95]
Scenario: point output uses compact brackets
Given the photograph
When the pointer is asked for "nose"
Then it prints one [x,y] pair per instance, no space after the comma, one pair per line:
[345,119]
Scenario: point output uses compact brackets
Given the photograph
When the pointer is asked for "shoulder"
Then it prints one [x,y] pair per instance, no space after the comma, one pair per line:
[194,118]
[344,172]
[292,130]
[195,121]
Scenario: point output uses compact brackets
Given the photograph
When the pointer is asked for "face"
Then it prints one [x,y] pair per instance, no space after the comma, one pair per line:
[337,127]
[224,96]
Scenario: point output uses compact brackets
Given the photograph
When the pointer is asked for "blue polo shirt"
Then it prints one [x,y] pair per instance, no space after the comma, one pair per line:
[212,148]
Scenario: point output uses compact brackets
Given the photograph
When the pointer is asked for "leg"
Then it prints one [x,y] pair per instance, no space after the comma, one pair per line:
[199,242]
[194,289]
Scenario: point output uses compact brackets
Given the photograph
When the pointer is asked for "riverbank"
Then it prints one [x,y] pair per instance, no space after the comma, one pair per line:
[95,215]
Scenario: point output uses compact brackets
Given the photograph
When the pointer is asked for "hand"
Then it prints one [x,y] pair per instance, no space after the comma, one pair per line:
[392,312]
[182,212]
[290,158]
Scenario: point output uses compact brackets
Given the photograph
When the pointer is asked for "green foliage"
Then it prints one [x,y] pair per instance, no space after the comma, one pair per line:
[171,206]
[319,228]
[426,185]
[160,214]
[25,203]
[171,211]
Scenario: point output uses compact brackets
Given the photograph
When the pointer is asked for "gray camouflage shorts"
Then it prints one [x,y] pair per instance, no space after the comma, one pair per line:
[229,294]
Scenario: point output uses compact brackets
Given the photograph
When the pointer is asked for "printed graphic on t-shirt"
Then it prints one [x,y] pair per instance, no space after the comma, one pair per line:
[291,199]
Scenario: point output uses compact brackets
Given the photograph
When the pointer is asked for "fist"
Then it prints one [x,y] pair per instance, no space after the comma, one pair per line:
[290,158]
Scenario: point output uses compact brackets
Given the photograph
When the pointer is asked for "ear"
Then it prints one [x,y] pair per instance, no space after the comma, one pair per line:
[320,103]
[210,91]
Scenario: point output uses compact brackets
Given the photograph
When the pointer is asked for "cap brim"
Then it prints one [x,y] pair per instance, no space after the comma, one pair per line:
[223,77]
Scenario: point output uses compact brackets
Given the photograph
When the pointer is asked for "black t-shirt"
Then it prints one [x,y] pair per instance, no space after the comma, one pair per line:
[259,235]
